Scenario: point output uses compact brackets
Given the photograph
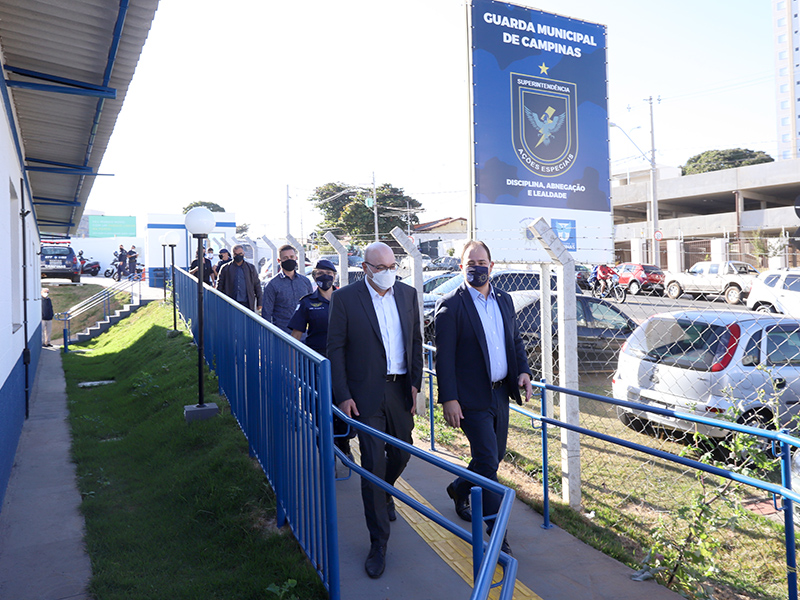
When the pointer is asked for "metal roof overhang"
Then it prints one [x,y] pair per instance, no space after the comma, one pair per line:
[66,70]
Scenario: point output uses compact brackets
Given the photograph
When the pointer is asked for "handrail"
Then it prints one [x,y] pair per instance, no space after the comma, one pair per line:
[102,297]
[485,554]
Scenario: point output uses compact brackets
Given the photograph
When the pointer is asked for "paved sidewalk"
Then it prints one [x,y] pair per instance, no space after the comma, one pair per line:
[42,554]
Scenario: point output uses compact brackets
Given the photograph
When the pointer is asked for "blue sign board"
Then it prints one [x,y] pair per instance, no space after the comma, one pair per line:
[540,121]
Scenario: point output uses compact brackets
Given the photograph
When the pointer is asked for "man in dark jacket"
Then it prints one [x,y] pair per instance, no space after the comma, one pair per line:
[480,364]
[47,318]
[238,280]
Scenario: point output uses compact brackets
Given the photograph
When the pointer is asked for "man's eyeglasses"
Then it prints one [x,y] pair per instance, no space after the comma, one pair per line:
[382,268]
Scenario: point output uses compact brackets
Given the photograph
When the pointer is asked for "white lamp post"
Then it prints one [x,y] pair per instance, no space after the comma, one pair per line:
[200,222]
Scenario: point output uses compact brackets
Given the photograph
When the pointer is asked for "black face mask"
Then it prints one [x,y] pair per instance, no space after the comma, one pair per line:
[325,282]
[237,258]
[289,264]
[477,275]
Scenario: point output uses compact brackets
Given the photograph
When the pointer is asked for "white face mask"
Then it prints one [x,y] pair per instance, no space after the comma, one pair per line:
[385,279]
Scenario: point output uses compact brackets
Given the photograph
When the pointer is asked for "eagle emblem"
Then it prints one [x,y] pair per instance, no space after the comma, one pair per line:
[547,125]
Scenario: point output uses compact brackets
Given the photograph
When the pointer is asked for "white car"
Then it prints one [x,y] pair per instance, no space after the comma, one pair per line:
[776,291]
[710,363]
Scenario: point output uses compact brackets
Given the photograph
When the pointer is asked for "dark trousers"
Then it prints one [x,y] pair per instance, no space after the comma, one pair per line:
[382,459]
[487,432]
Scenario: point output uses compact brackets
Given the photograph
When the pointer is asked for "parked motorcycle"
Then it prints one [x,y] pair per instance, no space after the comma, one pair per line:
[139,272]
[88,265]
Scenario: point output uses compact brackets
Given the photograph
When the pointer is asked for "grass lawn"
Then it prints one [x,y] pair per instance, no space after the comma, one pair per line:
[172,510]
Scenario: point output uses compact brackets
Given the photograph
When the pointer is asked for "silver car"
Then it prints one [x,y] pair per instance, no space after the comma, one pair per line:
[702,363]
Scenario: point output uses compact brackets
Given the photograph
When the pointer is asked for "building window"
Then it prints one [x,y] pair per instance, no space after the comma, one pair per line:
[782,55]
[784,71]
[785,105]
[782,22]
[782,38]
[784,88]
[785,121]
[786,154]
[781,5]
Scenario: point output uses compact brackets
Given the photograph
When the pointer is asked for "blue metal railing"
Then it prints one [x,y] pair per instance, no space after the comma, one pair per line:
[782,439]
[280,394]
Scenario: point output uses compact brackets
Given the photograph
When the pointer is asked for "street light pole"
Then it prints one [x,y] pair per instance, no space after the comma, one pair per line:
[653,195]
[172,281]
[375,205]
[653,221]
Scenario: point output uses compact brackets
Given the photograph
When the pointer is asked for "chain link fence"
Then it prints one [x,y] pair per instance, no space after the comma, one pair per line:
[697,353]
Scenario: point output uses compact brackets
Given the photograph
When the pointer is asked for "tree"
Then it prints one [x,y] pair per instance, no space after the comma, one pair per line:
[345,211]
[209,205]
[242,229]
[716,160]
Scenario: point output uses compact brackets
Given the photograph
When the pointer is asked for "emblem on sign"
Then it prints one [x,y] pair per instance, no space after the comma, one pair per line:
[544,123]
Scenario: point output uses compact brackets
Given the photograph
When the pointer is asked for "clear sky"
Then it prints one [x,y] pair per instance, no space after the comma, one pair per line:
[233,102]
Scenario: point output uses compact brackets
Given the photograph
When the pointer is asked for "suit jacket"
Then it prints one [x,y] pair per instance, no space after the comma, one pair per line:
[226,282]
[355,347]
[462,357]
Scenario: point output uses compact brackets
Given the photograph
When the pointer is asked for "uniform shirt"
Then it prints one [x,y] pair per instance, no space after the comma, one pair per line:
[206,269]
[281,297]
[312,316]
[391,330]
[492,322]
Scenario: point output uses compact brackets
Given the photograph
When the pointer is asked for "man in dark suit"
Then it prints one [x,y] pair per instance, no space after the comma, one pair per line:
[375,349]
[480,364]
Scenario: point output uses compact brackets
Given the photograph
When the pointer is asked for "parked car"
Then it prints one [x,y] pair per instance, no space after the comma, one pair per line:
[508,281]
[407,261]
[582,274]
[636,277]
[447,263]
[776,291]
[602,329]
[743,364]
[431,279]
[59,260]
[730,278]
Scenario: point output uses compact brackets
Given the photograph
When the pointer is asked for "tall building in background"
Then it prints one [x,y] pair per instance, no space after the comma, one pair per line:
[787,75]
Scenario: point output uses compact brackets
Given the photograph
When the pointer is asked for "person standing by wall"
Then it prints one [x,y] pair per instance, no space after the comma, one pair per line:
[208,271]
[284,291]
[224,259]
[375,349]
[480,363]
[47,318]
[133,254]
[238,280]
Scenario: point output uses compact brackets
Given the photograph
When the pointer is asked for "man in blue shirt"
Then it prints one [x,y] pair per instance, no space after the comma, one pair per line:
[480,363]
[283,292]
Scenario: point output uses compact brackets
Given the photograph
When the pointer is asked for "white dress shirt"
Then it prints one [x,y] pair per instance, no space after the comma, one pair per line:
[391,330]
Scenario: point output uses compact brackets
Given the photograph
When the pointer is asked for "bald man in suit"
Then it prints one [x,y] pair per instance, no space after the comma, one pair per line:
[375,349]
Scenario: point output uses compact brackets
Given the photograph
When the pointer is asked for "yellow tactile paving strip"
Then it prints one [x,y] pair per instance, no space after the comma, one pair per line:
[453,550]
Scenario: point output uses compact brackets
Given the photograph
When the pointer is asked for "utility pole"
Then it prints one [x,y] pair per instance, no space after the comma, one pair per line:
[656,245]
[375,205]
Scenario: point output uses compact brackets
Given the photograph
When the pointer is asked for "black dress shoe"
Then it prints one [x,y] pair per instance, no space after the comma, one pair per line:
[505,547]
[376,561]
[390,509]
[462,503]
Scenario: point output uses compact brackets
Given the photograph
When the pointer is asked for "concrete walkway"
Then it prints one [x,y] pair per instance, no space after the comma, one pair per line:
[42,554]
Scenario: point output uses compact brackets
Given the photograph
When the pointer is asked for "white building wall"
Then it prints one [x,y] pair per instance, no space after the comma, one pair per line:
[787,64]
[12,340]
